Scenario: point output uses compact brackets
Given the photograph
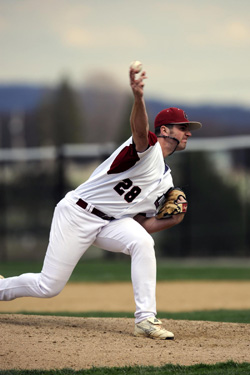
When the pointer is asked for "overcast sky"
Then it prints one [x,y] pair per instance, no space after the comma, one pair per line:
[195,51]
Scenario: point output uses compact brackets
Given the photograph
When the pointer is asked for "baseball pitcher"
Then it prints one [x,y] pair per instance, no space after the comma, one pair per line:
[127,198]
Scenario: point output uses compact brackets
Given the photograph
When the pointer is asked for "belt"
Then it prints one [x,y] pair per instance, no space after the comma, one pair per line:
[95,211]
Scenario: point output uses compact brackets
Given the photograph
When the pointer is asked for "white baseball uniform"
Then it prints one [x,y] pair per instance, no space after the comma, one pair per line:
[126,184]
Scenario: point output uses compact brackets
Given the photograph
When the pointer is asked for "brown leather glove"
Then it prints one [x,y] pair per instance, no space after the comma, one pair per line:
[171,204]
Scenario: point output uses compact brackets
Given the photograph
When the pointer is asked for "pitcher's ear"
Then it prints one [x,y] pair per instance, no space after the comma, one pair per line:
[164,130]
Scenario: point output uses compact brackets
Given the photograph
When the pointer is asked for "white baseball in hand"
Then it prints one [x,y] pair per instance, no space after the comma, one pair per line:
[136,65]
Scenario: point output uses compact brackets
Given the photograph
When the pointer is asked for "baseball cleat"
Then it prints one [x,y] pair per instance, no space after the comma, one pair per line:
[1,277]
[152,328]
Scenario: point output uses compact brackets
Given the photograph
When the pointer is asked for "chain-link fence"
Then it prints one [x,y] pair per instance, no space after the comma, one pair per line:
[213,172]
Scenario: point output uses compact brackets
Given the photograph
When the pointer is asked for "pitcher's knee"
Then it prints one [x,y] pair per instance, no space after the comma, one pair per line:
[145,241]
[50,288]
[143,244]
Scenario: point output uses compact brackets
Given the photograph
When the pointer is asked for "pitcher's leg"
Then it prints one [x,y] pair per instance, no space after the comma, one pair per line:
[143,275]
[30,285]
[73,230]
[48,283]
[129,237]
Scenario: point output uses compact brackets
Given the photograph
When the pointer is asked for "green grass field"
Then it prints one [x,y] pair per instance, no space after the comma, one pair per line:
[102,271]
[228,368]
[108,271]
[229,316]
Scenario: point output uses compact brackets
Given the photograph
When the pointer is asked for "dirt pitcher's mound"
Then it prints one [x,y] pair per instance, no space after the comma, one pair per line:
[38,342]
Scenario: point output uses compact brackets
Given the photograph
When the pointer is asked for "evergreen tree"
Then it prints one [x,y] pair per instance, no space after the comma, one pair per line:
[125,129]
[60,117]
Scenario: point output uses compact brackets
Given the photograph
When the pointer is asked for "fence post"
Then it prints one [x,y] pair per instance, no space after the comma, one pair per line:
[3,220]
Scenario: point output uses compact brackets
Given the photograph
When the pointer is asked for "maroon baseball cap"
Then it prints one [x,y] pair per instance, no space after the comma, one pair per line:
[175,116]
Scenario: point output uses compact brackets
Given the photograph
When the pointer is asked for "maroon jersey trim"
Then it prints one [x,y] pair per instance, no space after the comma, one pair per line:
[128,156]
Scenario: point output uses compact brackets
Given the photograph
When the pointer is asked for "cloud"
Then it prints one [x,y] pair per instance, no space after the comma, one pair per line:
[223,35]
[209,23]
[238,32]
[78,37]
[33,16]
[75,24]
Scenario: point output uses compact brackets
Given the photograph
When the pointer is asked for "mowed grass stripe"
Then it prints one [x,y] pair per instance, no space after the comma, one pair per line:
[227,316]
[227,368]
[110,271]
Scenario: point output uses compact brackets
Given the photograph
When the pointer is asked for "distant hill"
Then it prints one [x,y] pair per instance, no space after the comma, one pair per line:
[20,97]
[217,120]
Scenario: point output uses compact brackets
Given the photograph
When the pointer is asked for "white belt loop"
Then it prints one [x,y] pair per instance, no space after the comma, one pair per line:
[89,207]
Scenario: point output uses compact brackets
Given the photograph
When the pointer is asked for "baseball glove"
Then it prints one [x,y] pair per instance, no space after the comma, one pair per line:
[168,205]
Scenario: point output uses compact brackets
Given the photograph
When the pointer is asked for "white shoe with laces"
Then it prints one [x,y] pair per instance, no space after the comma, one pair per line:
[152,328]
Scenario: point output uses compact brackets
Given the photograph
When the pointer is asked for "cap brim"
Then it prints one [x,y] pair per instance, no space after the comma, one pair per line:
[192,125]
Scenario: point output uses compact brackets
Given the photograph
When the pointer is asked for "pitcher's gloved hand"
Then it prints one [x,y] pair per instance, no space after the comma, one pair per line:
[173,203]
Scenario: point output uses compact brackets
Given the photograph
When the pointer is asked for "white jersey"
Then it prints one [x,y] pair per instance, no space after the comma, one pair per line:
[128,182]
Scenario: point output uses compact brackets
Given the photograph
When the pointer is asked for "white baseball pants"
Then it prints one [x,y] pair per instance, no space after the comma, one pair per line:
[73,230]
